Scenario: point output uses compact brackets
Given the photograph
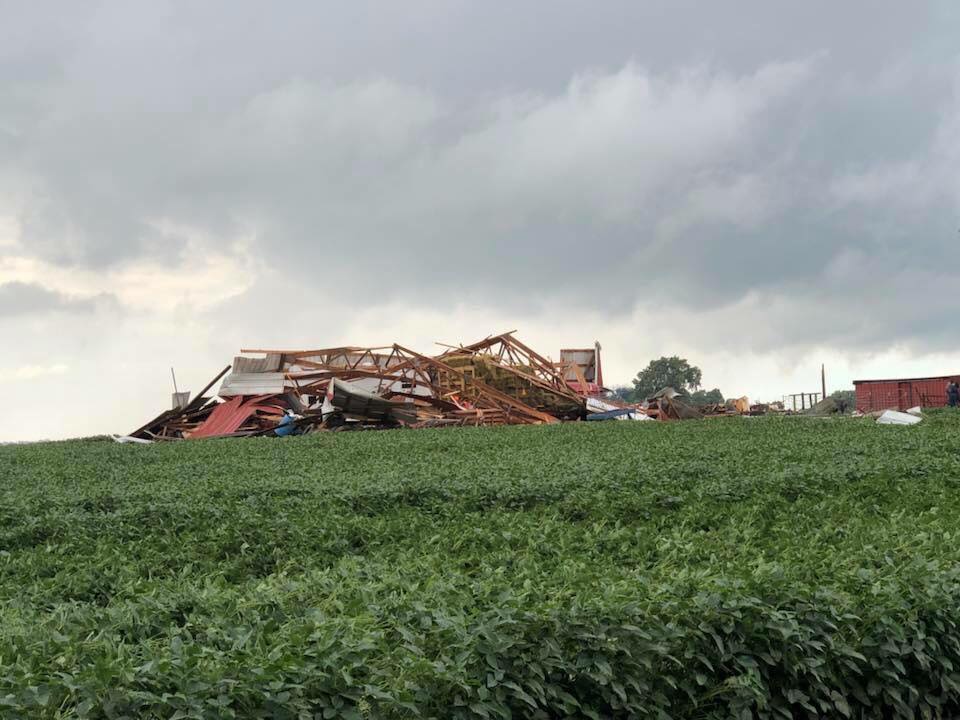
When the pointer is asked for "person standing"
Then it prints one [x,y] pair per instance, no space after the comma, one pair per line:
[953,394]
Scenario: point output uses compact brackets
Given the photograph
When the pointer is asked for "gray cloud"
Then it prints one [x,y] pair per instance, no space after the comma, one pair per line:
[671,154]
[22,299]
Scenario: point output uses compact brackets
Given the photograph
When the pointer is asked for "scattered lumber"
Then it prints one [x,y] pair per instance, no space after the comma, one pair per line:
[496,381]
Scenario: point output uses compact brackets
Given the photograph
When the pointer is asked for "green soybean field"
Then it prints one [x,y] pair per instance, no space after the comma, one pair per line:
[732,567]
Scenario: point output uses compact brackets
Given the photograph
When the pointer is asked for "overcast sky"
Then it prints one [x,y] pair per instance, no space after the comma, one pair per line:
[758,186]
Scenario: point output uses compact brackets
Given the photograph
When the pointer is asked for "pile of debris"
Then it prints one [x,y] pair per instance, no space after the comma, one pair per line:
[497,381]
[668,404]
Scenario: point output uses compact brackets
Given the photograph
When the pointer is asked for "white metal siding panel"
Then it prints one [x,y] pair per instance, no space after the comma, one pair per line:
[260,383]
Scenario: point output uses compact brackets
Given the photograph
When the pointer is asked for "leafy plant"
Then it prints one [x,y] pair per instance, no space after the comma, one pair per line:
[772,568]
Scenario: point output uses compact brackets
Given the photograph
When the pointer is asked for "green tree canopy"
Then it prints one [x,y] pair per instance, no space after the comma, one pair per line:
[673,372]
[707,397]
[846,400]
[627,394]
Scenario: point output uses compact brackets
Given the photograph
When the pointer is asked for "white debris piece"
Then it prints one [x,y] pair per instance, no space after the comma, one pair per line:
[598,405]
[128,439]
[893,417]
[916,411]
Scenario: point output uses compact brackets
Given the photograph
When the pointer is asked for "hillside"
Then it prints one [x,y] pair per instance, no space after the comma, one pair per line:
[773,567]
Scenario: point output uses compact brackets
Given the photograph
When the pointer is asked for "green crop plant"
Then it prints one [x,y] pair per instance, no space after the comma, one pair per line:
[771,568]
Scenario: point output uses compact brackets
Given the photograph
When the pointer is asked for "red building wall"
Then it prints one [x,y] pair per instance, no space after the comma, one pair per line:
[875,395]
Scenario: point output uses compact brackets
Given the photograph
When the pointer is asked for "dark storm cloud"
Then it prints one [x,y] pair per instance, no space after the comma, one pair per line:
[680,154]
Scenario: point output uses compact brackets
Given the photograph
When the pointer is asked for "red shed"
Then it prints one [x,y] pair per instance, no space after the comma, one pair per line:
[902,394]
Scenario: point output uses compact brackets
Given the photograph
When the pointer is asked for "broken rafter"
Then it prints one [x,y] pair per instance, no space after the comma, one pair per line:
[478,392]
[517,354]
[497,380]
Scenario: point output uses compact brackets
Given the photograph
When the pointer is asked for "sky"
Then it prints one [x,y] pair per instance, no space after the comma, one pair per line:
[757,186]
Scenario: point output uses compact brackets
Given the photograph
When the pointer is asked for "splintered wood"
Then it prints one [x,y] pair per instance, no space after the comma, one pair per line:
[496,381]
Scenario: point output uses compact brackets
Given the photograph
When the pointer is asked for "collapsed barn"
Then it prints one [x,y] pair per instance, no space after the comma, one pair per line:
[496,381]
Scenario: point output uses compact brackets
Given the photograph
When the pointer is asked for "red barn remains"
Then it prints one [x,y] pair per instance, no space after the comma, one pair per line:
[902,394]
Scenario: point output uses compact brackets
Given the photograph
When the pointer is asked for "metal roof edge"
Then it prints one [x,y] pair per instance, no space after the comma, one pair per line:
[916,379]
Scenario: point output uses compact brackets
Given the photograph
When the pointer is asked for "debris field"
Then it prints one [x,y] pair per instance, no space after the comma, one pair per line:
[496,381]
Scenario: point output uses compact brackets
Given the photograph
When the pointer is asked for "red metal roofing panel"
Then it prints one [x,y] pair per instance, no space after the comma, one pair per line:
[591,389]
[228,416]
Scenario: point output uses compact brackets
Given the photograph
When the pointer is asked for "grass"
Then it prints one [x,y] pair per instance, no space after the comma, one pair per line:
[729,567]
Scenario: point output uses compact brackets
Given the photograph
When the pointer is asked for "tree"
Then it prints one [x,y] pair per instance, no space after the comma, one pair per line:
[706,397]
[673,372]
[627,394]
[845,401]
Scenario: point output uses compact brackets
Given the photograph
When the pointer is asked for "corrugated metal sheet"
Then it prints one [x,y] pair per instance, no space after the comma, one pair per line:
[360,404]
[874,395]
[270,363]
[227,417]
[259,383]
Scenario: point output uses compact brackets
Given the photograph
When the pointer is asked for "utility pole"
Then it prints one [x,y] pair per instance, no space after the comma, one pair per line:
[823,381]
